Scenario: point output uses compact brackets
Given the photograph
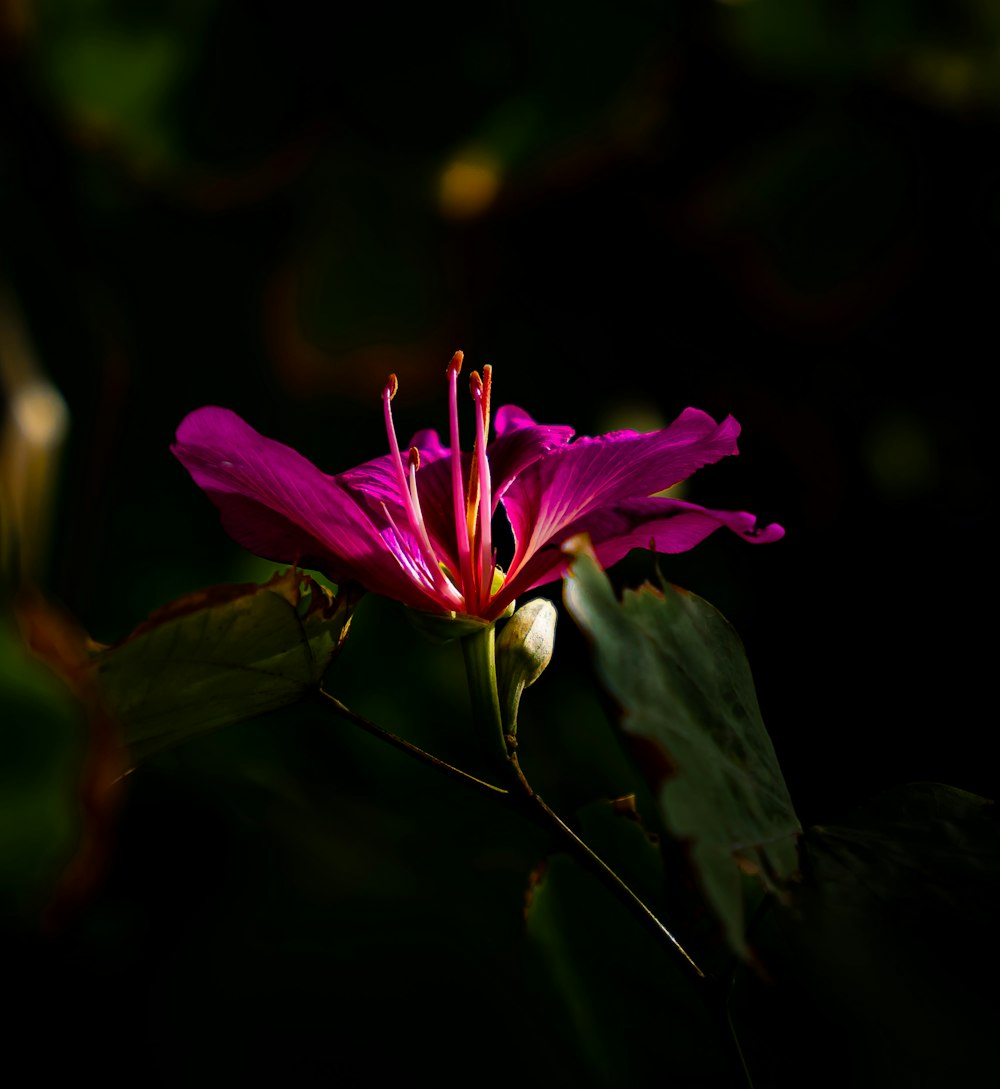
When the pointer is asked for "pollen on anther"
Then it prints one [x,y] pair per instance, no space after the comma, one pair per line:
[413,459]
[475,383]
[391,385]
[456,363]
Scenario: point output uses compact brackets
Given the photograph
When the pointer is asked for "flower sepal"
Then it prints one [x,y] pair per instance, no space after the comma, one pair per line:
[445,627]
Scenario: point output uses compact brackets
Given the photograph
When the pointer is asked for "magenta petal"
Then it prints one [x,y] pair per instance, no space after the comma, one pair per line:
[429,443]
[508,455]
[662,525]
[519,443]
[364,525]
[669,525]
[277,504]
[376,480]
[509,418]
[588,476]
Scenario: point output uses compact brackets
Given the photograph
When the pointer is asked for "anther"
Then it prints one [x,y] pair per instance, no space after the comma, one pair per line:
[487,386]
[455,364]
[413,461]
[391,385]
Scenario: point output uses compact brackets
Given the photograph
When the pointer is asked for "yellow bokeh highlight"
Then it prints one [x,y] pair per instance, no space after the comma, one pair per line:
[468,185]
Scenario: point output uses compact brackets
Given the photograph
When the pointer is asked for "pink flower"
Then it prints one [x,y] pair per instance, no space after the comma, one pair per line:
[417,527]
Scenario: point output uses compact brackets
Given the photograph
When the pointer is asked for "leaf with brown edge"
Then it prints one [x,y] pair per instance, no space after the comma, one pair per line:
[221,655]
[679,676]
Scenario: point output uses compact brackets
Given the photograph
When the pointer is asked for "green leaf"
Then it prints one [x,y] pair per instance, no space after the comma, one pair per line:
[221,655]
[679,675]
[886,959]
[923,841]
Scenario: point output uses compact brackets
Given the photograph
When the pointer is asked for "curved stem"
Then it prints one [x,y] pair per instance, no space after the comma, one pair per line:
[480,663]
[534,808]
[413,750]
[739,1057]
[479,651]
[597,866]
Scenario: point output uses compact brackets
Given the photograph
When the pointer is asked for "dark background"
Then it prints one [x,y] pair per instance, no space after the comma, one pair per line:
[787,212]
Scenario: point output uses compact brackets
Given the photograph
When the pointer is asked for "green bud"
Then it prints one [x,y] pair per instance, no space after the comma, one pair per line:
[524,649]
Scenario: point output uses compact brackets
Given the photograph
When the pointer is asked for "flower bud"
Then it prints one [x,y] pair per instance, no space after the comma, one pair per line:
[524,649]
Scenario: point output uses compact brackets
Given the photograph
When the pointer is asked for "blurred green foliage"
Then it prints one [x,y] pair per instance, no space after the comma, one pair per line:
[41,750]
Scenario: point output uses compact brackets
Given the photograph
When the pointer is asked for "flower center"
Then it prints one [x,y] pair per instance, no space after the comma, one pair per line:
[472,586]
[429,572]
[472,500]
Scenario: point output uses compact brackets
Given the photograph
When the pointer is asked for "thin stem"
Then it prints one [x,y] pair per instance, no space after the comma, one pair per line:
[529,804]
[413,750]
[522,798]
[479,650]
[533,807]
[733,1035]
[480,665]
[592,861]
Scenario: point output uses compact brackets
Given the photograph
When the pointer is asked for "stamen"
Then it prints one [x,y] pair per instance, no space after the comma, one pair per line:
[415,570]
[480,393]
[455,364]
[388,392]
[408,492]
[458,499]
[472,491]
[414,463]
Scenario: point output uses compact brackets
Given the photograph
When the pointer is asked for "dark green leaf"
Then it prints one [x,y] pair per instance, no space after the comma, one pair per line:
[629,1003]
[885,960]
[221,655]
[923,842]
[679,675]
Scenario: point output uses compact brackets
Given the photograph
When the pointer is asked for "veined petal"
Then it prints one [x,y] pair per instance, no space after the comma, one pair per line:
[429,443]
[670,525]
[414,528]
[376,480]
[519,443]
[660,524]
[277,504]
[588,476]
